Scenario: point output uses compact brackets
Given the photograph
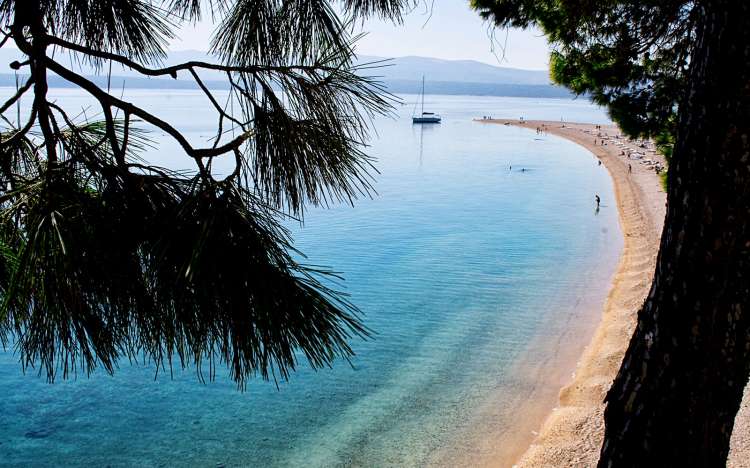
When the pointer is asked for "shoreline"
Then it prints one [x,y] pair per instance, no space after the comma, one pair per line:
[571,435]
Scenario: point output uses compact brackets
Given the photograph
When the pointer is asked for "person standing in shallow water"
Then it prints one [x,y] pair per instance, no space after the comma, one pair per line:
[598,201]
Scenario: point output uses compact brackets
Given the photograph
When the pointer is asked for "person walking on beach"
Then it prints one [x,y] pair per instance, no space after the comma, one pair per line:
[598,201]
[630,169]
[600,162]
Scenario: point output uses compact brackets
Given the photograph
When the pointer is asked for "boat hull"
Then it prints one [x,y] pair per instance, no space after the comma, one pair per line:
[425,120]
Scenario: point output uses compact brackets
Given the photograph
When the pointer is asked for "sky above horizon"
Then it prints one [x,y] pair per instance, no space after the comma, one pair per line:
[450,31]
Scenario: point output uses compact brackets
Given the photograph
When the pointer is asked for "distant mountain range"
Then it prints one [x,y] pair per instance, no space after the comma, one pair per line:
[401,75]
[458,71]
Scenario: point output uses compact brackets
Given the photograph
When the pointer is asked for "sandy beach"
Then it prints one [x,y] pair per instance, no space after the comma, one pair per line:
[571,434]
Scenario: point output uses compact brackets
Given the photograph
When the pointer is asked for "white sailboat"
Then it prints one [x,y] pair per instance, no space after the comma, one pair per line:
[426,117]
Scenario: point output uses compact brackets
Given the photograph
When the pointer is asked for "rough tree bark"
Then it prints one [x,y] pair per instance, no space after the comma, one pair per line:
[674,400]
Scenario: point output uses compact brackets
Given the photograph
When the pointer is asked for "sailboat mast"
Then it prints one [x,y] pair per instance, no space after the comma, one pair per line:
[425,117]
[422,94]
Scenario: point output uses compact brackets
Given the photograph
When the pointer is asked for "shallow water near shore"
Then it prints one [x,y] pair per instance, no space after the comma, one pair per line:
[468,269]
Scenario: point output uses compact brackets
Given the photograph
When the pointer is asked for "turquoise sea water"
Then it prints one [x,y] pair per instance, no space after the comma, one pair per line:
[464,268]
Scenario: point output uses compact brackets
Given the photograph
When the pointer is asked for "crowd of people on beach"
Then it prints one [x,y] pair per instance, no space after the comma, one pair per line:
[634,150]
[631,149]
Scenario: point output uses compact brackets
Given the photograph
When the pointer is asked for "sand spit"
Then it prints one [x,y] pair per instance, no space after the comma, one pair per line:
[572,434]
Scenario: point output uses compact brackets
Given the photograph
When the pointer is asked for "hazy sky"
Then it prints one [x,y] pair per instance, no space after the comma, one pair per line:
[452,32]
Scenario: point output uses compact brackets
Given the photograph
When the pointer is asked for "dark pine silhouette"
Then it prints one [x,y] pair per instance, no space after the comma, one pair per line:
[107,257]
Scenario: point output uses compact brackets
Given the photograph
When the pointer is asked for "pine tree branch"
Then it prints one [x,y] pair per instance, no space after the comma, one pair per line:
[185,66]
[23,130]
[107,100]
[6,37]
[26,86]
[222,112]
[31,16]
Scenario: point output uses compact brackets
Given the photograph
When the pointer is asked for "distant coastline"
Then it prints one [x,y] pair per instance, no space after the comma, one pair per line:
[449,88]
[400,75]
[480,89]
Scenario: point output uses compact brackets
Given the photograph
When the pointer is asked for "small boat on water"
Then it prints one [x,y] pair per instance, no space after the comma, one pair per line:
[426,117]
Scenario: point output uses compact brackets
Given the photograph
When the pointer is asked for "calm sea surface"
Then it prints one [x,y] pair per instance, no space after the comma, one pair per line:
[463,268]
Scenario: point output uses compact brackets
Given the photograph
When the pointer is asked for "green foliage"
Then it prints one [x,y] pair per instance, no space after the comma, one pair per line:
[105,256]
[136,29]
[630,56]
[664,180]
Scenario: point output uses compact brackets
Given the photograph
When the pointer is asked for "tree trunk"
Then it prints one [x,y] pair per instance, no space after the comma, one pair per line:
[30,14]
[674,400]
